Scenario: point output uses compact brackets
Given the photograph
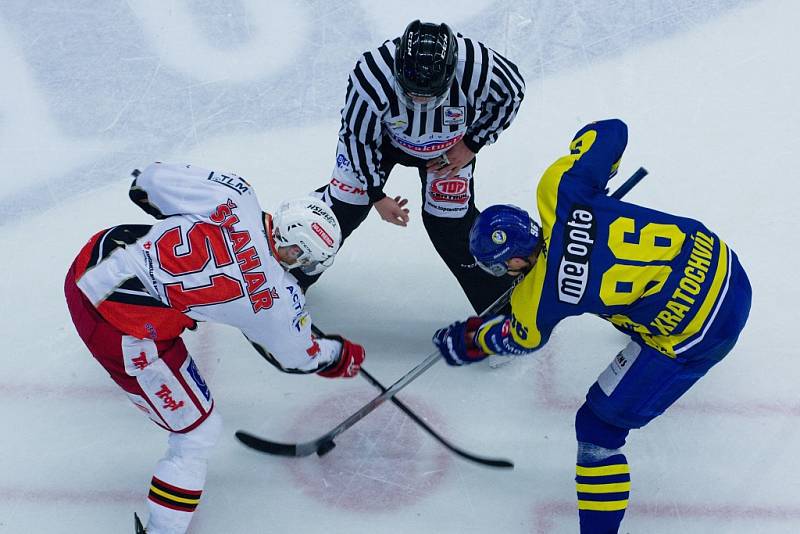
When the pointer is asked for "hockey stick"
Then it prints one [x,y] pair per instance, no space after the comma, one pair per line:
[248,439]
[629,184]
[324,444]
[490,462]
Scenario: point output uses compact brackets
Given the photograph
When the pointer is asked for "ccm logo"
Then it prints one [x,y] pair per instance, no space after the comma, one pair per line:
[322,234]
[347,188]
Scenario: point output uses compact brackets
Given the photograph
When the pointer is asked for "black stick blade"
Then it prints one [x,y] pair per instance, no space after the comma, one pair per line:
[325,448]
[263,445]
[489,462]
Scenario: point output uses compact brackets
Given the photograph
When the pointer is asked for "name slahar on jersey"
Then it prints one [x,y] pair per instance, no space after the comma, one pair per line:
[573,272]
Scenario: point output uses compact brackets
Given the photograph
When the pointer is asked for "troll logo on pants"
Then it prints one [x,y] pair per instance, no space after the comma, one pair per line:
[454,190]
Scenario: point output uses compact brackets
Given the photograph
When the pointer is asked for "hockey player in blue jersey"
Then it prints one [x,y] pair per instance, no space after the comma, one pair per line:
[669,282]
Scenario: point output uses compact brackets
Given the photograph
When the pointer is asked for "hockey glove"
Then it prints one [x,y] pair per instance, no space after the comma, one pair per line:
[349,363]
[456,342]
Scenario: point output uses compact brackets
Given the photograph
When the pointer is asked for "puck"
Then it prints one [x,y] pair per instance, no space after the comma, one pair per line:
[325,448]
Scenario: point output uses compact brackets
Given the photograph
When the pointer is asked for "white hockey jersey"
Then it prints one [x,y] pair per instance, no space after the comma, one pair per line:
[210,258]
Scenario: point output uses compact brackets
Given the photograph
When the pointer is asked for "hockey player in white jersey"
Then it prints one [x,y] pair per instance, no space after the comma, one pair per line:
[213,256]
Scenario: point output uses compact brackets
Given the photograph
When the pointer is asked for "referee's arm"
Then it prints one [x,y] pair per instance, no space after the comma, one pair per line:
[361,134]
[499,101]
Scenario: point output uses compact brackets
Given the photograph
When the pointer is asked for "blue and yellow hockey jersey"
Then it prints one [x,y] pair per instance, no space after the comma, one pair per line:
[655,276]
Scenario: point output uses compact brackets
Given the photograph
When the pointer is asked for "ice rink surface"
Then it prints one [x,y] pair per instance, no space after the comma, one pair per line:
[92,89]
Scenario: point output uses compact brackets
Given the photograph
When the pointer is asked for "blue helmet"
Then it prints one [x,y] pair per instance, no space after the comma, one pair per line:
[502,232]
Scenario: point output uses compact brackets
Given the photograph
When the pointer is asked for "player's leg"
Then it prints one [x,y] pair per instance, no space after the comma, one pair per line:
[448,214]
[163,382]
[639,385]
[602,476]
[178,399]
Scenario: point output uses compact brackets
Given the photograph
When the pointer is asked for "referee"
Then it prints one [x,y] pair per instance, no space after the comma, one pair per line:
[431,100]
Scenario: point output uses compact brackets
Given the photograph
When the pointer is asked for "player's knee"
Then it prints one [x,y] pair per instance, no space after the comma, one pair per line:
[591,429]
[199,441]
[209,431]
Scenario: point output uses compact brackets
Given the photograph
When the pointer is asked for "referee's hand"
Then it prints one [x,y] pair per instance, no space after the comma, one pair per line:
[392,210]
[451,161]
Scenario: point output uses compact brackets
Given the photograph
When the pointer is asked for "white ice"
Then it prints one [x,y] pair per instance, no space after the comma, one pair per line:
[92,89]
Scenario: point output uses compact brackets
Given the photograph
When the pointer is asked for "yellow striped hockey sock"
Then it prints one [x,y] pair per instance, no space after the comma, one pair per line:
[603,488]
[173,497]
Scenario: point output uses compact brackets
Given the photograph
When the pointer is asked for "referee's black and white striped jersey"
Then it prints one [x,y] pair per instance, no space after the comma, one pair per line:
[483,101]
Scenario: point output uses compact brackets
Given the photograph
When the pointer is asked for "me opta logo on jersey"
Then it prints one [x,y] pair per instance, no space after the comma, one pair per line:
[454,190]
[573,271]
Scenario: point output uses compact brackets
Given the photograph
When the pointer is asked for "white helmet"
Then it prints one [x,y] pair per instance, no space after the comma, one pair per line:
[310,224]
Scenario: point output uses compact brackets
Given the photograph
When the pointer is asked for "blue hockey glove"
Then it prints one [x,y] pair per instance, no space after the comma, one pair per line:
[456,342]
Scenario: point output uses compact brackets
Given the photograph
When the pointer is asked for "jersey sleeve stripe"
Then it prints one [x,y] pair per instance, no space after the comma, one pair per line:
[374,149]
[367,87]
[500,92]
[485,64]
[499,97]
[371,124]
[388,61]
[361,148]
[349,106]
[469,63]
[510,77]
[384,80]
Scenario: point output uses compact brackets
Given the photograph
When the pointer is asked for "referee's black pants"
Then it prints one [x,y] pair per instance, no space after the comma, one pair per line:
[450,236]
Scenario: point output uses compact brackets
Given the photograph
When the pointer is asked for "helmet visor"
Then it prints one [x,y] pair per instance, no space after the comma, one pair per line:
[302,258]
[419,102]
[495,269]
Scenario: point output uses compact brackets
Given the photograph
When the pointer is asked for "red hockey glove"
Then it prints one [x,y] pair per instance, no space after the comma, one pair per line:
[349,363]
